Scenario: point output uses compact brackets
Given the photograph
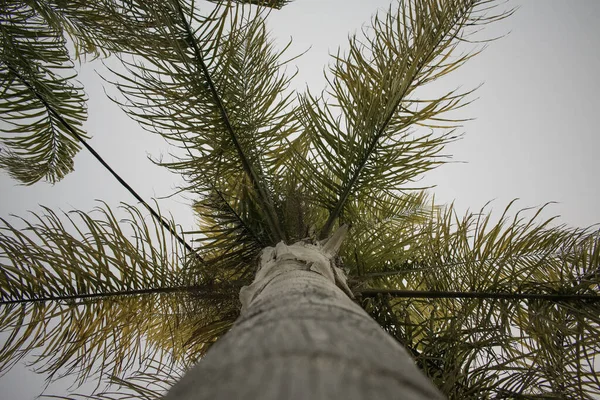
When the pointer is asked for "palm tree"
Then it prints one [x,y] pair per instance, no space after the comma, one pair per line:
[311,235]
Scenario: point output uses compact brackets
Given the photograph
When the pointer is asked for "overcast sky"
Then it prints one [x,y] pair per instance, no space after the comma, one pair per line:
[534,136]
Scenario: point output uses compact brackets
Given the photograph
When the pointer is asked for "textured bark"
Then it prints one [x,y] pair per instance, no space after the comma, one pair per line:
[300,336]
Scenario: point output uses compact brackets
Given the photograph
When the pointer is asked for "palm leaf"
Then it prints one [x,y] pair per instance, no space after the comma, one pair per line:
[43,106]
[148,385]
[215,89]
[230,241]
[39,91]
[382,238]
[364,130]
[512,344]
[90,300]
[94,28]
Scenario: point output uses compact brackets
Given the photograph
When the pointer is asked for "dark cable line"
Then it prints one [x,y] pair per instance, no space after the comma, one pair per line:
[429,294]
[156,216]
[97,156]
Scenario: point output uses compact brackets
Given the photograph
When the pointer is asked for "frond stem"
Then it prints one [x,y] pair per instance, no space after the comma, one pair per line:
[326,230]
[410,267]
[97,156]
[263,193]
[160,290]
[428,294]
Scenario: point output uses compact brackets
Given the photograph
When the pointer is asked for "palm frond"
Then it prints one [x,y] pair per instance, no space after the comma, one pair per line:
[39,89]
[382,237]
[214,88]
[474,348]
[364,132]
[519,323]
[95,29]
[514,254]
[150,384]
[230,241]
[90,300]
[43,106]
[44,259]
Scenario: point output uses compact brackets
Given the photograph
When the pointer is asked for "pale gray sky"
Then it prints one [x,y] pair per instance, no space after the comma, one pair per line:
[534,137]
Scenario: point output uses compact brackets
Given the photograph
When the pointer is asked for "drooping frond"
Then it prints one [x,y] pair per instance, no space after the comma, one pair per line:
[85,339]
[508,346]
[39,92]
[513,254]
[43,106]
[94,28]
[475,348]
[50,258]
[90,300]
[214,86]
[151,384]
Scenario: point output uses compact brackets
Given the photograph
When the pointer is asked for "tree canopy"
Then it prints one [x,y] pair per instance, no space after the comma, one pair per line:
[488,307]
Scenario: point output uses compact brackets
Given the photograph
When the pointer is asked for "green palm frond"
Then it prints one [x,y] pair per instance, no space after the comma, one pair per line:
[91,300]
[513,254]
[44,259]
[94,28]
[474,348]
[43,105]
[151,384]
[38,91]
[384,235]
[215,88]
[508,346]
[364,132]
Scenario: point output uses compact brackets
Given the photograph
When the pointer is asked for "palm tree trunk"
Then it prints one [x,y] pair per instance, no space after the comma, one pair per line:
[300,336]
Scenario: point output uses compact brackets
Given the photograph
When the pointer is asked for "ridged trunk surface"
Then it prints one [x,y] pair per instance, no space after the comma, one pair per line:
[301,337]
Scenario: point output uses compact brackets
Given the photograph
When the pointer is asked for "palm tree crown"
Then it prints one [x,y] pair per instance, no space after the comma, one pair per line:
[488,307]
